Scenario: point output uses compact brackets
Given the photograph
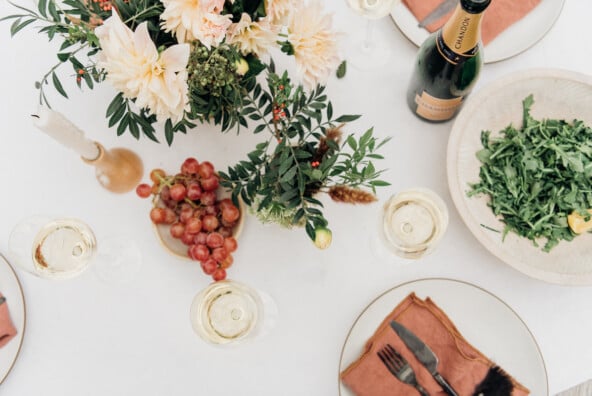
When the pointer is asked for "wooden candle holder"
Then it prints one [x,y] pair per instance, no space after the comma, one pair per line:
[119,170]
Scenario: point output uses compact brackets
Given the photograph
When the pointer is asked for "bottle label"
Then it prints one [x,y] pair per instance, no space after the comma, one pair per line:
[435,109]
[459,39]
[450,55]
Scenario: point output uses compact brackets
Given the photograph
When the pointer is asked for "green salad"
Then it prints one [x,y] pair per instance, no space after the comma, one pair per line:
[536,176]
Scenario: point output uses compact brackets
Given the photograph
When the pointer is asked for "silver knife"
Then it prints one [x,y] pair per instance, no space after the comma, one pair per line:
[424,354]
[438,12]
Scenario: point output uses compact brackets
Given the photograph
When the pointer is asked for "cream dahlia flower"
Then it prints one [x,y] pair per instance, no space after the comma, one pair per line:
[158,82]
[278,11]
[252,37]
[314,43]
[191,20]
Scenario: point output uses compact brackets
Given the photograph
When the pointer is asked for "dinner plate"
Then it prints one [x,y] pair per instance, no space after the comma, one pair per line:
[559,94]
[515,39]
[485,321]
[12,290]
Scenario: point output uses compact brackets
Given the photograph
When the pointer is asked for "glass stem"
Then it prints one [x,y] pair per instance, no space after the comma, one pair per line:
[368,40]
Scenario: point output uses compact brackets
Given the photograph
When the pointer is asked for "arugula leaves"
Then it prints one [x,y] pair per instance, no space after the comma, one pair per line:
[537,175]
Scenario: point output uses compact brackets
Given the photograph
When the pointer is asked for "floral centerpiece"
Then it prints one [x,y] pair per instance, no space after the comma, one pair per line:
[182,62]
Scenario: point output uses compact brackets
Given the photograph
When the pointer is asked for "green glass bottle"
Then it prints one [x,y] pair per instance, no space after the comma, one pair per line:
[448,64]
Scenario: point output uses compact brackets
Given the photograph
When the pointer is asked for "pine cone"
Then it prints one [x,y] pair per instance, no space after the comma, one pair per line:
[350,195]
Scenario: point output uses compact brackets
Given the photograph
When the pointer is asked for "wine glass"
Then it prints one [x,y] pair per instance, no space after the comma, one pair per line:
[411,224]
[229,312]
[63,248]
[367,52]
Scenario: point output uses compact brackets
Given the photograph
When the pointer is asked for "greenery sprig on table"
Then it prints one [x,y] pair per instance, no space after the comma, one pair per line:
[211,69]
[281,181]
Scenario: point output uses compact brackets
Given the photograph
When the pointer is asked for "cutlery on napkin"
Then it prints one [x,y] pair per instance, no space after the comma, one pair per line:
[7,329]
[464,367]
[498,17]
[584,389]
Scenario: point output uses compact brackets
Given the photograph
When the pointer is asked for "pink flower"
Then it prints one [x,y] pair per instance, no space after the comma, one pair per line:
[191,20]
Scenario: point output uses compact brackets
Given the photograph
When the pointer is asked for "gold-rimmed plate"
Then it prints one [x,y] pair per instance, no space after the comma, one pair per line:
[10,287]
[483,319]
[514,40]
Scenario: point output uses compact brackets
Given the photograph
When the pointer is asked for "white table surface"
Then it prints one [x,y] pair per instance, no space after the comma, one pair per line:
[88,337]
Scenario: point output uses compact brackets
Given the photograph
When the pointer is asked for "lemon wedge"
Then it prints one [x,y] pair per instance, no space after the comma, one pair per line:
[578,224]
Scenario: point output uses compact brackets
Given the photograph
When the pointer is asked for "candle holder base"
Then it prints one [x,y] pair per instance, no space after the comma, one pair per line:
[119,170]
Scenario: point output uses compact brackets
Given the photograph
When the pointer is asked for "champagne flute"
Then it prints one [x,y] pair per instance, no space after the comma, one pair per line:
[367,52]
[63,248]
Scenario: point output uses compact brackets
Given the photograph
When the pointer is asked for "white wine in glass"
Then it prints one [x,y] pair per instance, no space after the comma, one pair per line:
[63,248]
[52,248]
[413,222]
[367,52]
[372,9]
[228,312]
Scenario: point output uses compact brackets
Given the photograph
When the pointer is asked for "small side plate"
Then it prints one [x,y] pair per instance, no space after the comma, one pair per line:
[10,287]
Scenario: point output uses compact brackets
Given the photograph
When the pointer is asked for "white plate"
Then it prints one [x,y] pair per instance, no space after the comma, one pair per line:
[484,320]
[515,39]
[557,94]
[11,289]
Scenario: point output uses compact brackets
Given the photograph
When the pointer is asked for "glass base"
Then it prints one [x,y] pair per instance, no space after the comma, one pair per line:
[118,260]
[366,55]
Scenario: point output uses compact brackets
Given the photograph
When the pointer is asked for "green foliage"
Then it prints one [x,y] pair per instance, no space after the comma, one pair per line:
[341,70]
[301,157]
[76,30]
[302,154]
[537,175]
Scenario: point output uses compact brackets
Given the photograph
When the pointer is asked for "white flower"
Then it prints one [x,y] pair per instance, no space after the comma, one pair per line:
[134,67]
[252,37]
[213,28]
[314,43]
[278,11]
[191,20]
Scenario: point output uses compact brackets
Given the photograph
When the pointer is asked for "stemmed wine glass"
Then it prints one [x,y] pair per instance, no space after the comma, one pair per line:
[366,51]
[63,247]
[410,224]
[229,312]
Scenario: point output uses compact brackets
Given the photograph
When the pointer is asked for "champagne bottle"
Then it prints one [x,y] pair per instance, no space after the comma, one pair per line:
[448,64]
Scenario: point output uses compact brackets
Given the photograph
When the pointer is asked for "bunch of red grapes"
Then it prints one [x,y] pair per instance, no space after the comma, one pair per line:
[188,202]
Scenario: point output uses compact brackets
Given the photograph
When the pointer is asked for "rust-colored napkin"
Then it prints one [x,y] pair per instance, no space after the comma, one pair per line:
[498,16]
[462,365]
[7,329]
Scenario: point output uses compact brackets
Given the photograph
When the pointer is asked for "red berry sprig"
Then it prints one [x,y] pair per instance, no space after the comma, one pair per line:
[187,201]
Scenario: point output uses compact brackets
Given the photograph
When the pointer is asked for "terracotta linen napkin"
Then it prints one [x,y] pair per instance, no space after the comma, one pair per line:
[7,329]
[498,16]
[461,364]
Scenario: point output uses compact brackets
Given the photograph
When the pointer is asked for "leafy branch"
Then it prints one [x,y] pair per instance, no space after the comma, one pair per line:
[281,185]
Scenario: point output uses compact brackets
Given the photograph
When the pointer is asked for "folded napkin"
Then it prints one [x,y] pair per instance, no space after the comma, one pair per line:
[7,329]
[465,368]
[498,16]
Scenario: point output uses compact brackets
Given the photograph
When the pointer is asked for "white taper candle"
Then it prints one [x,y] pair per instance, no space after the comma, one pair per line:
[64,131]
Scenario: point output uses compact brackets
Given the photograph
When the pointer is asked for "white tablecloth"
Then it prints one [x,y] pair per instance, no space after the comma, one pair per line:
[88,337]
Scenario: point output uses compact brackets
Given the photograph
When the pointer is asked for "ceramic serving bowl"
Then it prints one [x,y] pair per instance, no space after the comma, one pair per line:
[558,94]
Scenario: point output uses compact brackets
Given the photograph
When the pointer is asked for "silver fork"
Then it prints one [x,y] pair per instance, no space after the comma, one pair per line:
[399,367]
